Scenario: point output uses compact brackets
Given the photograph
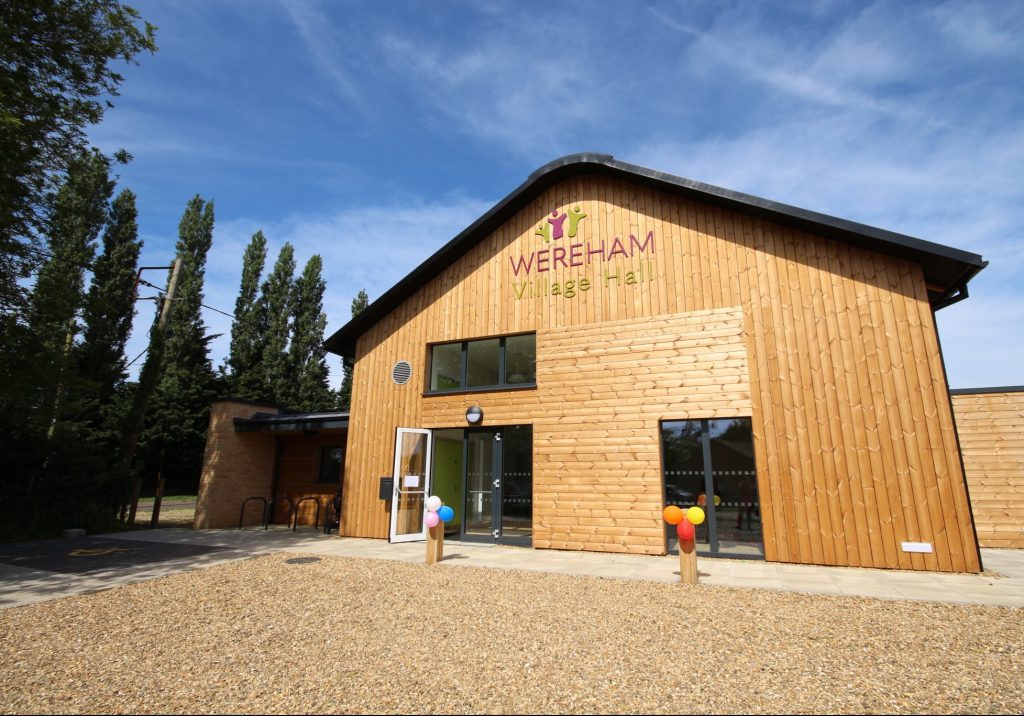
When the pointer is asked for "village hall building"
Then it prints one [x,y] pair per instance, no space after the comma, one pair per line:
[608,340]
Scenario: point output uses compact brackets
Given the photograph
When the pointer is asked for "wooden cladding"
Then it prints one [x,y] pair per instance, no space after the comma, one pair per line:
[834,347]
[991,429]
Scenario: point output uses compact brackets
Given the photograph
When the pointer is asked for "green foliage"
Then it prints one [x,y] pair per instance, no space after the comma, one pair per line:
[55,70]
[54,412]
[109,306]
[359,304]
[306,352]
[248,330]
[174,435]
[59,401]
[79,214]
[107,314]
[276,301]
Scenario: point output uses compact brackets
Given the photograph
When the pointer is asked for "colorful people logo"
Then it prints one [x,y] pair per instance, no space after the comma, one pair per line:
[553,229]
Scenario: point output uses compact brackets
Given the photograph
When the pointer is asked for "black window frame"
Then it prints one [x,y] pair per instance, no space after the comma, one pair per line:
[464,366]
[321,452]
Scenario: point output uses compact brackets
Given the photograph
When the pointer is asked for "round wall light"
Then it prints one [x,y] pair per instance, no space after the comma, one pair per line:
[474,415]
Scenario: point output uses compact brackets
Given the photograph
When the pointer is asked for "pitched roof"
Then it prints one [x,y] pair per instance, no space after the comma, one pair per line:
[947,270]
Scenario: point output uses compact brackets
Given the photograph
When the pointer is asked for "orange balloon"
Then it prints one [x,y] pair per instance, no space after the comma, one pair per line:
[702,499]
[673,515]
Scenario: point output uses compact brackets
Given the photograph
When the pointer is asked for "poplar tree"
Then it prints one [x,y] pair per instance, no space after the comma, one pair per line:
[109,306]
[276,303]
[79,213]
[359,304]
[248,330]
[108,312]
[173,439]
[306,352]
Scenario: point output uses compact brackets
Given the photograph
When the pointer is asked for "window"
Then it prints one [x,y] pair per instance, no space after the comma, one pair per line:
[506,362]
[331,461]
[715,457]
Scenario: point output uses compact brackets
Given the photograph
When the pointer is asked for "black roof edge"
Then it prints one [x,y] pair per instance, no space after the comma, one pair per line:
[267,422]
[977,391]
[945,265]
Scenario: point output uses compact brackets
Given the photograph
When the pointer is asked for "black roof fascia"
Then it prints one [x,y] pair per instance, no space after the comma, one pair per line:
[946,266]
[978,391]
[268,422]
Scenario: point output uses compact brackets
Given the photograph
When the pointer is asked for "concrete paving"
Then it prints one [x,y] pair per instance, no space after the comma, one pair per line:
[29,575]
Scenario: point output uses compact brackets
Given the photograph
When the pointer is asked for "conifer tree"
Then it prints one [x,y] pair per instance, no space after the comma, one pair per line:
[248,330]
[173,439]
[306,352]
[276,304]
[359,304]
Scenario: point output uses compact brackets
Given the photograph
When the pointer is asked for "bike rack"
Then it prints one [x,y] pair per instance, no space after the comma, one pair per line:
[295,512]
[329,518]
[241,515]
[270,510]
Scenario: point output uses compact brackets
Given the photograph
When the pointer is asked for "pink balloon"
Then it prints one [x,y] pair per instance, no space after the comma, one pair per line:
[432,519]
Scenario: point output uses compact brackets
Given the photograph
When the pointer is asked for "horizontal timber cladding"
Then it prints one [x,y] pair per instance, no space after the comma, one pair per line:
[991,429]
[853,433]
[298,462]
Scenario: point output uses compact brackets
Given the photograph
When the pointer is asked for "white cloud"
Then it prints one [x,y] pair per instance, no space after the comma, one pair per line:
[503,89]
[314,27]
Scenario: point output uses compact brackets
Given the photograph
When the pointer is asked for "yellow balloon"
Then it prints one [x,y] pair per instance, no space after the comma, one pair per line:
[718,500]
[695,515]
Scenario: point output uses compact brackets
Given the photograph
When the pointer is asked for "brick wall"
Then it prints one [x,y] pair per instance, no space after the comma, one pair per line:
[235,466]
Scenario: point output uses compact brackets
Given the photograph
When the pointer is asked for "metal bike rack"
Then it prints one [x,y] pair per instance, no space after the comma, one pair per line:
[329,516]
[295,512]
[241,515]
[270,510]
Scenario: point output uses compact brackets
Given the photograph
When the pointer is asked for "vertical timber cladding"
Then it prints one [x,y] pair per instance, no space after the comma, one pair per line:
[853,434]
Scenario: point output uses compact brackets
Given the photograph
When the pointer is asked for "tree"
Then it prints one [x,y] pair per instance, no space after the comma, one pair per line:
[359,304]
[79,214]
[276,303]
[55,68]
[108,312]
[248,330]
[306,352]
[177,419]
[109,306]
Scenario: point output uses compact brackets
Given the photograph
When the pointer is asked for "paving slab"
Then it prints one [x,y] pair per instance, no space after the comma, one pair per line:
[39,571]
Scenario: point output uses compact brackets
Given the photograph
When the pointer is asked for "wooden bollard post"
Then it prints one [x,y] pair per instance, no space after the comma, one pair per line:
[687,561]
[435,543]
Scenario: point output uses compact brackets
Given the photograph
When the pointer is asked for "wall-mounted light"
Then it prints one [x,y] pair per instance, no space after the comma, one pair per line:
[474,415]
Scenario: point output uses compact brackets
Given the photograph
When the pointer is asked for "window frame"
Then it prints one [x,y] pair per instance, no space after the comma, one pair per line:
[321,452]
[502,385]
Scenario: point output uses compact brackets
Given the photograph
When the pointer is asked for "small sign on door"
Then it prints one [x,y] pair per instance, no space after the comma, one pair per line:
[411,481]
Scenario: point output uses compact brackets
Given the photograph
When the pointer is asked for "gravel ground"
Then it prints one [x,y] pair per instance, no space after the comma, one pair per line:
[283,634]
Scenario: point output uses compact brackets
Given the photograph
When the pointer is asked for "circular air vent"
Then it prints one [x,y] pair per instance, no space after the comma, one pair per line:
[401,372]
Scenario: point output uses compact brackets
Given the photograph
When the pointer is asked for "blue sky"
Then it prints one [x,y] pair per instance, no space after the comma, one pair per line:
[336,125]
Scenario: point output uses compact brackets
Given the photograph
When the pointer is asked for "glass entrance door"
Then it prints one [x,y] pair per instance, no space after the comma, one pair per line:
[483,482]
[498,465]
[412,485]
[716,458]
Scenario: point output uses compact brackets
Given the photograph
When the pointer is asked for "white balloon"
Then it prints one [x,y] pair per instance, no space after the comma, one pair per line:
[434,503]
